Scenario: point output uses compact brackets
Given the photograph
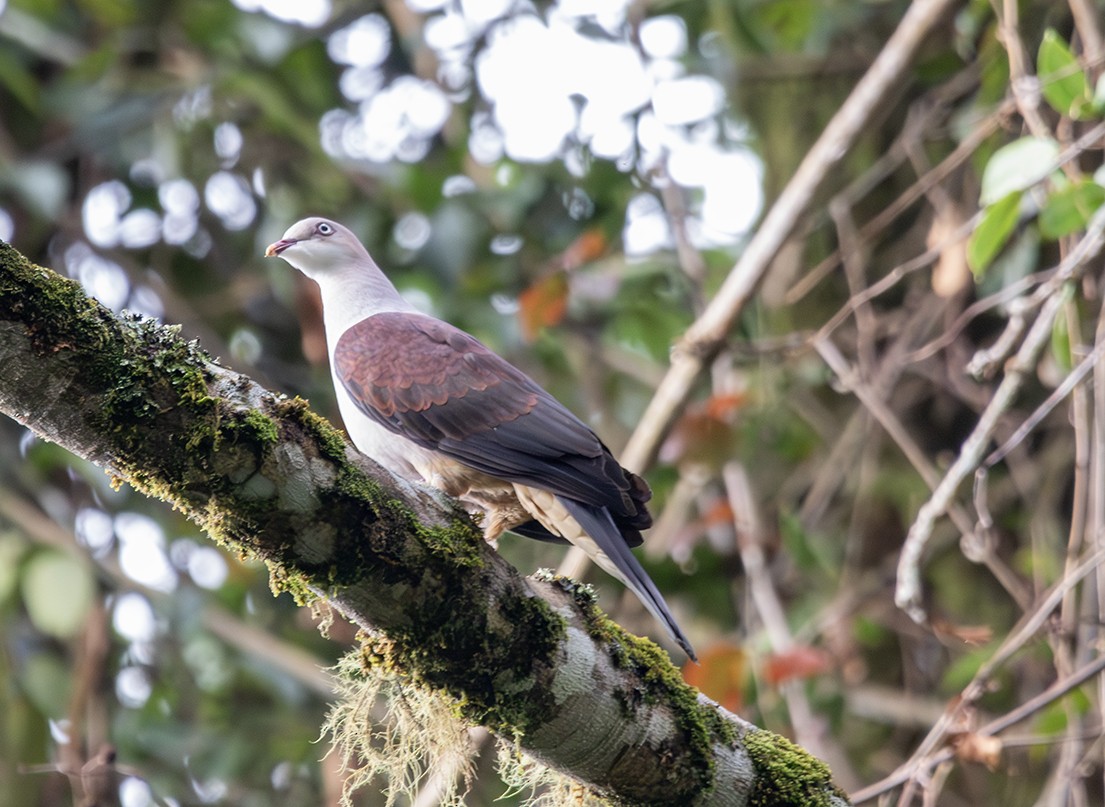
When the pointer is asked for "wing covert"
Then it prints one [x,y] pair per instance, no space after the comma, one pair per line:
[443,389]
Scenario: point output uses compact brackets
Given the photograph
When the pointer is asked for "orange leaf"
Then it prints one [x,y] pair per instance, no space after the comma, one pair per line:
[973,635]
[723,407]
[971,747]
[543,304]
[801,661]
[718,513]
[720,674]
[705,433]
[591,244]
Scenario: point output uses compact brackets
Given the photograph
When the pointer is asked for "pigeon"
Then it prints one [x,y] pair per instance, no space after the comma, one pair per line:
[432,404]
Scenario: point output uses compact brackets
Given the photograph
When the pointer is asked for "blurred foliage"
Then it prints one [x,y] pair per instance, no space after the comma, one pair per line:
[151,150]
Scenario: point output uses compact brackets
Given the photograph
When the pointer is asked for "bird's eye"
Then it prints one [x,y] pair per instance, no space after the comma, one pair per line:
[324,229]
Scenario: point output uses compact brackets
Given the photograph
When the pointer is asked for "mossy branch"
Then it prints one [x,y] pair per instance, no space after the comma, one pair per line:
[530,659]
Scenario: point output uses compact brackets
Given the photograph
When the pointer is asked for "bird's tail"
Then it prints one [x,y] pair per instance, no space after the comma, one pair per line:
[616,559]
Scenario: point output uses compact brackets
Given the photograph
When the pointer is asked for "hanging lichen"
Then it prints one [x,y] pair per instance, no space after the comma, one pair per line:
[388,728]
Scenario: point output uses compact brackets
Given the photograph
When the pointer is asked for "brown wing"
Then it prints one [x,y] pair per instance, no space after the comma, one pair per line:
[444,390]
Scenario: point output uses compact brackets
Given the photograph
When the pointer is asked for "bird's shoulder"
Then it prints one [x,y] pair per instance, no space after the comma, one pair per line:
[408,360]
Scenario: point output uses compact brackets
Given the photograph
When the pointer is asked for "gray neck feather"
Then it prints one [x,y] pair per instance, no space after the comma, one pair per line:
[354,292]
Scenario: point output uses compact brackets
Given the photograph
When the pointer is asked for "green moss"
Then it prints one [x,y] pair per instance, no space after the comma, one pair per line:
[329,438]
[57,312]
[459,541]
[453,642]
[264,428]
[583,593]
[662,684]
[786,775]
[282,579]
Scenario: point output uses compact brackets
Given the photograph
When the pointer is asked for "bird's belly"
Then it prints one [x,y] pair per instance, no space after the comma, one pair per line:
[496,498]
[411,461]
[398,454]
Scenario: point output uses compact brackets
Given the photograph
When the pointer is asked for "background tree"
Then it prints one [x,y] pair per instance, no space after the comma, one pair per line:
[573,185]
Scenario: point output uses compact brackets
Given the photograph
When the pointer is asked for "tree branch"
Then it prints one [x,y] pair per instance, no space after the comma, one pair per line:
[533,660]
[706,336]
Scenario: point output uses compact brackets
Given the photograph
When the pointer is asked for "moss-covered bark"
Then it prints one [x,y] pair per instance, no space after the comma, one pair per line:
[530,659]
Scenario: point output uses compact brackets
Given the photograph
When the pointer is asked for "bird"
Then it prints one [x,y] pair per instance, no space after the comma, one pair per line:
[434,405]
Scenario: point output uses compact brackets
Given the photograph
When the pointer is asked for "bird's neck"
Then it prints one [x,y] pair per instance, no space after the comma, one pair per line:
[357,293]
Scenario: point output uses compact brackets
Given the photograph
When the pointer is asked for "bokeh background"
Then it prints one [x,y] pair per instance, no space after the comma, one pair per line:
[569,181]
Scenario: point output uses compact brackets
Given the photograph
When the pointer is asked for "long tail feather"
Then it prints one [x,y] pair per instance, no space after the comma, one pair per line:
[619,561]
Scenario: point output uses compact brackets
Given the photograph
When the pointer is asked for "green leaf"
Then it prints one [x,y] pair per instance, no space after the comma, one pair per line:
[11,548]
[1060,344]
[1062,81]
[993,231]
[57,592]
[1098,102]
[47,682]
[19,81]
[1017,166]
[1068,210]
[1052,720]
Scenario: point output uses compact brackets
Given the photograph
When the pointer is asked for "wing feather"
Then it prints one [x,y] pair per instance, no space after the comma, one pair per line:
[441,388]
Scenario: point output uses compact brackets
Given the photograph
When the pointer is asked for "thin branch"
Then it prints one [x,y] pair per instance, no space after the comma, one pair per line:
[930,753]
[1025,86]
[894,276]
[809,730]
[1085,22]
[975,137]
[981,551]
[908,594]
[706,336]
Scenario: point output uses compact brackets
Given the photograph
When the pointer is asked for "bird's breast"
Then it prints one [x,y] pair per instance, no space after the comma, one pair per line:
[411,461]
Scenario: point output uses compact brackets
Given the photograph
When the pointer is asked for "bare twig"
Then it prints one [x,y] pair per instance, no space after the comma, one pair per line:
[705,337]
[855,261]
[690,259]
[900,434]
[1085,22]
[1025,710]
[977,135]
[1064,389]
[893,277]
[1092,642]
[809,729]
[1025,86]
[929,753]
[1003,297]
[908,594]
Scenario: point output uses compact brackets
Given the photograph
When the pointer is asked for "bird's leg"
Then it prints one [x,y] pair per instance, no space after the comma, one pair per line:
[495,501]
[500,513]
[501,519]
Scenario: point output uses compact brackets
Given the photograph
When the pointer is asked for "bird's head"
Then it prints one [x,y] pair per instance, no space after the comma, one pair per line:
[315,246]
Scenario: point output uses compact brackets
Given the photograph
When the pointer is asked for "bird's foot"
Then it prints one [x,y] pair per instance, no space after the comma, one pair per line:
[500,516]
[493,529]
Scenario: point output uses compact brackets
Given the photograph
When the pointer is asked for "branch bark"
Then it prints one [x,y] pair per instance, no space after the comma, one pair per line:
[531,659]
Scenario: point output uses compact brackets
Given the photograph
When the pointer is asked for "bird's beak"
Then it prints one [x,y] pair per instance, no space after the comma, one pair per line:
[274,249]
